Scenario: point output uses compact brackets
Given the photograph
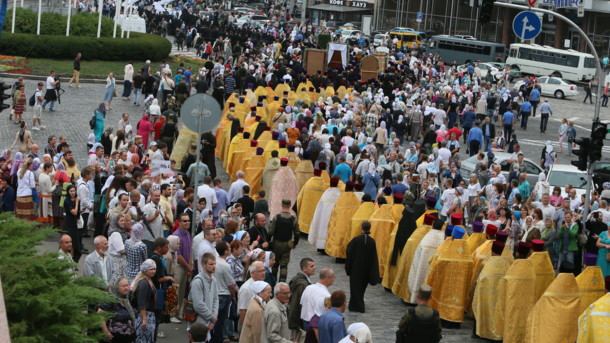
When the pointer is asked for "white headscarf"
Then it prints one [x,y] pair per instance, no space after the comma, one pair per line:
[372,168]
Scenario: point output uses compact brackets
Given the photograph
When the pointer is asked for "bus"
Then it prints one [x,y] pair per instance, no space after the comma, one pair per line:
[407,38]
[465,49]
[544,60]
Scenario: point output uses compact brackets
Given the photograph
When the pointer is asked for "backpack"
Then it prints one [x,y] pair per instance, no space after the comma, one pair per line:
[32,100]
[419,330]
[92,122]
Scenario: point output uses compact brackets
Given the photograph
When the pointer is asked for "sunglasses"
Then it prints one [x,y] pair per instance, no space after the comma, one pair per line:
[186,221]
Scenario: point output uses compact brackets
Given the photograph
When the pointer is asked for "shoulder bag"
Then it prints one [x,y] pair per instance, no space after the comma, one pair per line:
[188,310]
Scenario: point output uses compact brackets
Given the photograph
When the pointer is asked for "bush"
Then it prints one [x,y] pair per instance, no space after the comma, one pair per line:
[323,40]
[83,24]
[139,47]
[44,303]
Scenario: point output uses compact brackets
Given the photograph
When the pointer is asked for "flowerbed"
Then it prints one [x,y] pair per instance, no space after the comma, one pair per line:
[14,65]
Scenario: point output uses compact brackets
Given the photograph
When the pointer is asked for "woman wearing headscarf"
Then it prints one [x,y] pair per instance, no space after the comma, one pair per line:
[144,293]
[90,142]
[254,319]
[548,156]
[120,327]
[24,138]
[136,251]
[144,128]
[359,333]
[100,115]
[24,205]
[371,181]
[71,215]
[270,262]
[384,169]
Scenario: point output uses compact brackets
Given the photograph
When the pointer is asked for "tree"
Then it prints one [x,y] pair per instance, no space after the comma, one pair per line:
[44,302]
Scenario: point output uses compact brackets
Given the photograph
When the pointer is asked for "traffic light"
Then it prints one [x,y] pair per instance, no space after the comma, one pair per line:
[598,134]
[3,96]
[582,153]
[485,11]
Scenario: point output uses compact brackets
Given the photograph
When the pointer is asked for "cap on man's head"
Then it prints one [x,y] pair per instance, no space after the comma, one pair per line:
[538,245]
[349,186]
[457,219]
[477,227]
[359,187]
[491,230]
[497,247]
[282,144]
[458,232]
[501,236]
[283,162]
[334,182]
[240,129]
[260,151]
[430,201]
[590,259]
[322,165]
[523,249]
[448,230]
[429,219]
[317,172]
[398,198]
[153,143]
[253,143]
[424,292]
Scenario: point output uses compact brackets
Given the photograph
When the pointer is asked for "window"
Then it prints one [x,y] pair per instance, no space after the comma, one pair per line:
[543,80]
[572,61]
[530,168]
[548,57]
[554,81]
[561,178]
[487,50]
[525,53]
[589,62]
[513,52]
[499,49]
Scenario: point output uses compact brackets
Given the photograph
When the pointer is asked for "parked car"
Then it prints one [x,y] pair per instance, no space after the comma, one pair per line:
[484,67]
[563,174]
[553,86]
[532,168]
[348,33]
[380,39]
[514,73]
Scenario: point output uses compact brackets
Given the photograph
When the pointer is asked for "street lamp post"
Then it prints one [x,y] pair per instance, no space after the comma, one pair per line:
[599,73]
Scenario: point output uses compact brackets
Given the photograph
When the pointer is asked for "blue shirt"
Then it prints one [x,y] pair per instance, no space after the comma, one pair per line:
[331,326]
[535,95]
[399,188]
[508,117]
[526,107]
[344,171]
[469,118]
[511,197]
[223,201]
[524,189]
[475,134]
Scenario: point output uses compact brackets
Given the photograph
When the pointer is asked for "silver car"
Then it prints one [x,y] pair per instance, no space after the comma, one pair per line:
[533,169]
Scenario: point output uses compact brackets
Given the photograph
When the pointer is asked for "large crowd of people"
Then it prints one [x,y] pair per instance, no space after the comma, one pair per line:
[369,170]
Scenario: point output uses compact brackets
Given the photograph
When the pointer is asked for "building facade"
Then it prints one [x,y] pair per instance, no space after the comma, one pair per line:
[460,17]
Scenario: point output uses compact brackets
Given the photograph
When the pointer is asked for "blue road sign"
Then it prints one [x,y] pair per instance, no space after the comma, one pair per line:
[527,25]
[420,15]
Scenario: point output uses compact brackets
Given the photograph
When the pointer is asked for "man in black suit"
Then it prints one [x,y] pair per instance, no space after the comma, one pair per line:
[489,132]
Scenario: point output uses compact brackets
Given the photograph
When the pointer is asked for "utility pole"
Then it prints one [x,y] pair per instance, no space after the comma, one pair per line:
[599,76]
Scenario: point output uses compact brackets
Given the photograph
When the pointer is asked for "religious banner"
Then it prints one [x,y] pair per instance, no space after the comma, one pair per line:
[160,167]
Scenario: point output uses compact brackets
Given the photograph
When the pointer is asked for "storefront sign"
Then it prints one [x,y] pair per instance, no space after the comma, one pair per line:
[348,3]
[561,3]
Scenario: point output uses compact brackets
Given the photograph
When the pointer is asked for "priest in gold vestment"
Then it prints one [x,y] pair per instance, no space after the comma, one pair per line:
[543,267]
[554,318]
[420,266]
[594,323]
[308,198]
[486,292]
[515,300]
[590,282]
[254,172]
[340,222]
[400,286]
[363,213]
[382,224]
[449,278]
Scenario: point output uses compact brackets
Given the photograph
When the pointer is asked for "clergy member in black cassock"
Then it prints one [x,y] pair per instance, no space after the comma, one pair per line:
[406,227]
[208,147]
[362,267]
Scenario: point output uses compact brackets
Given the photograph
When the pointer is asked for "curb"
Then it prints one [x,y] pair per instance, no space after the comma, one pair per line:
[43,78]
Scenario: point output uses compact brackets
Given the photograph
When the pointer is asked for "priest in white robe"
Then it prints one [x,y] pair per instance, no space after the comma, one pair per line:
[318,229]
[425,250]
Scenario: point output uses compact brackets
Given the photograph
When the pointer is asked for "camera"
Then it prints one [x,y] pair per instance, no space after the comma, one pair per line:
[134,203]
[58,84]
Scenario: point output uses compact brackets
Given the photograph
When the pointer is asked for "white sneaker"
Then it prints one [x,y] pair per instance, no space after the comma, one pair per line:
[175,320]
[161,334]
[36,128]
[70,85]
[42,127]
[80,86]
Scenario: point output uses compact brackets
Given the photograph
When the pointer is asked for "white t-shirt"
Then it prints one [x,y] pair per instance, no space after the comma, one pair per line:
[312,301]
[439,117]
[473,190]
[575,203]
[37,94]
[50,81]
[547,211]
[205,191]
[447,199]
[115,244]
[445,155]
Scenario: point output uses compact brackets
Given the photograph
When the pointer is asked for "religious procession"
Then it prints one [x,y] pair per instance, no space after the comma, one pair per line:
[408,171]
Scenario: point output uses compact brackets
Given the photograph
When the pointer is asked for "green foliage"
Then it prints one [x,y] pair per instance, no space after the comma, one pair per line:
[139,47]
[83,24]
[44,303]
[323,40]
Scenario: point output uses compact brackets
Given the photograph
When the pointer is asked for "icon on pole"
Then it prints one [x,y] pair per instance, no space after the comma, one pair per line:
[527,25]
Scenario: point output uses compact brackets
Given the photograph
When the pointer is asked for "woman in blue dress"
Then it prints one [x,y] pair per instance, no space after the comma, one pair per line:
[371,181]
[100,115]
[603,243]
